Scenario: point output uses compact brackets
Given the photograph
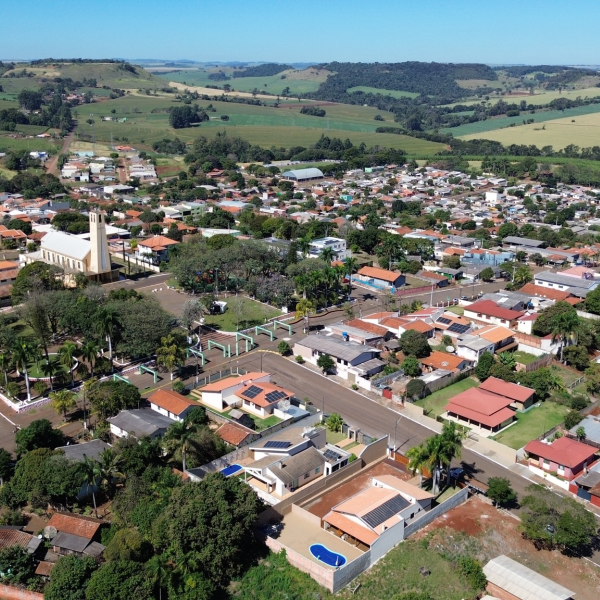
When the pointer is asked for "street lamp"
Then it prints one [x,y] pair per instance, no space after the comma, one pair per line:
[395,428]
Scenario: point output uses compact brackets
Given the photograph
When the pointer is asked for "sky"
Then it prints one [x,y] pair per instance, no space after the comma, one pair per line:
[505,32]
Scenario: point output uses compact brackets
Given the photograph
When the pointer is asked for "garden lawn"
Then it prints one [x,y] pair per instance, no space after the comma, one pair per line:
[524,358]
[531,424]
[254,313]
[334,437]
[435,404]
[260,424]
[457,310]
[398,573]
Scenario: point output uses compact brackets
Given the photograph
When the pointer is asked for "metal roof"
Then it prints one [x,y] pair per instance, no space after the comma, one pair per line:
[591,425]
[141,421]
[513,239]
[301,174]
[69,541]
[298,465]
[92,450]
[338,349]
[522,582]
[574,282]
[65,244]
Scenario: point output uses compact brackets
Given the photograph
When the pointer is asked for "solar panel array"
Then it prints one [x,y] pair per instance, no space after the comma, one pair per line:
[275,396]
[276,444]
[458,328]
[444,320]
[386,511]
[251,392]
[331,455]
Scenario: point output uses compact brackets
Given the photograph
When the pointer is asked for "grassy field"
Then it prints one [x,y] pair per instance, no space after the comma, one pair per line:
[532,424]
[583,131]
[40,144]
[260,424]
[372,90]
[435,404]
[148,121]
[254,313]
[299,82]
[524,358]
[471,130]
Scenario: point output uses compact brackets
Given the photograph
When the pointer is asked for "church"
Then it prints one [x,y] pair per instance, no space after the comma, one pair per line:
[75,254]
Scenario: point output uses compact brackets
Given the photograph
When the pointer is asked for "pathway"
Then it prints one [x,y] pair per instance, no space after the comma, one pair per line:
[52,164]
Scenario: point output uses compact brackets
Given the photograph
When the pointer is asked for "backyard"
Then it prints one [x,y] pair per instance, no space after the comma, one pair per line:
[524,358]
[241,313]
[260,424]
[434,404]
[531,424]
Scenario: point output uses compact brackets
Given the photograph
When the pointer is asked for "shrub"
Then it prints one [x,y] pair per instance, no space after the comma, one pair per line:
[300,360]
[572,418]
[579,402]
[179,387]
[13,389]
[284,348]
[40,387]
[415,388]
[472,572]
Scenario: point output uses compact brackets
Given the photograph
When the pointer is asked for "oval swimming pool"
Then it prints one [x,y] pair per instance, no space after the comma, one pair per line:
[324,554]
[231,470]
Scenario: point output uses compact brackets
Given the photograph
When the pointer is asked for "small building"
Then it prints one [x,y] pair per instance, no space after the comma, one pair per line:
[587,485]
[14,536]
[138,423]
[564,456]
[442,360]
[241,418]
[261,398]
[471,347]
[490,313]
[338,245]
[480,410]
[155,249]
[521,396]
[367,334]
[235,434]
[220,394]
[76,534]
[573,285]
[431,278]
[171,404]
[381,279]
[501,337]
[301,175]
[510,580]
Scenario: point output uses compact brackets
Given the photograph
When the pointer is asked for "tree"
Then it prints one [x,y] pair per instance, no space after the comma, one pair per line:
[170,354]
[411,366]
[213,523]
[89,352]
[413,343]
[552,521]
[334,422]
[69,578]
[522,275]
[6,466]
[452,262]
[443,449]
[30,100]
[37,276]
[487,274]
[119,580]
[91,475]
[325,363]
[17,565]
[109,397]
[159,571]
[572,418]
[418,460]
[63,401]
[500,491]
[580,433]
[577,356]
[284,348]
[128,544]
[184,437]
[191,313]
[592,378]
[24,353]
[415,388]
[39,434]
[66,355]
[592,302]
[484,366]
[107,322]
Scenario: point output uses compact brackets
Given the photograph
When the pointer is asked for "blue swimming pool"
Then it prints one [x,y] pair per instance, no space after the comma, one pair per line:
[231,470]
[324,554]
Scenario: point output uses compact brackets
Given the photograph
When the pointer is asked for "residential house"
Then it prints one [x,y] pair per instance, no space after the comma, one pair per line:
[11,535]
[502,338]
[235,434]
[489,312]
[220,394]
[138,423]
[576,287]
[442,360]
[511,580]
[521,396]
[154,249]
[76,534]
[471,347]
[261,398]
[434,279]
[587,485]
[520,243]
[352,359]
[338,245]
[171,404]
[564,456]
[378,278]
[359,331]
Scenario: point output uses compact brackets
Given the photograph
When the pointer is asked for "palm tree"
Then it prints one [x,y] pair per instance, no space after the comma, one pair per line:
[89,352]
[350,265]
[67,354]
[49,370]
[158,567]
[5,363]
[108,469]
[91,474]
[418,457]
[329,279]
[63,401]
[107,321]
[442,449]
[177,439]
[170,354]
[563,328]
[24,353]
[327,254]
[304,245]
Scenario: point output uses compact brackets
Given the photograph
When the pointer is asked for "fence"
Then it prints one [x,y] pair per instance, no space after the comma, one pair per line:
[215,377]
[417,290]
[587,315]
[8,592]
[383,381]
[443,382]
[543,361]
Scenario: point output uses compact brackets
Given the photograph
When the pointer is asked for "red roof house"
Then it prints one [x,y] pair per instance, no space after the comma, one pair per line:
[487,311]
[482,409]
[520,395]
[564,456]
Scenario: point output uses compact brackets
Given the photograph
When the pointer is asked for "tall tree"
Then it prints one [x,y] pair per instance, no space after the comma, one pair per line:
[442,449]
[418,457]
[63,401]
[89,352]
[24,353]
[170,354]
[67,353]
[107,322]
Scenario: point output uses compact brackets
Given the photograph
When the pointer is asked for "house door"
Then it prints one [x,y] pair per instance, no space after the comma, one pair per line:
[295,484]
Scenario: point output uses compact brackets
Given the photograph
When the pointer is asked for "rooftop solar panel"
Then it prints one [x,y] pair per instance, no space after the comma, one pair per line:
[384,512]
[444,320]
[331,455]
[251,392]
[458,328]
[276,444]
[275,396]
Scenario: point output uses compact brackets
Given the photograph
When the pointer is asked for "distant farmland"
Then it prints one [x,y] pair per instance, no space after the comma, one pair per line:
[583,131]
[372,90]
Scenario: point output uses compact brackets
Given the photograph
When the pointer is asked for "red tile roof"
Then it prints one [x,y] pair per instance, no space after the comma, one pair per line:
[260,399]
[441,360]
[513,391]
[563,451]
[233,434]
[171,401]
[378,273]
[418,325]
[544,292]
[432,275]
[13,537]
[491,309]
[369,327]
[84,527]
[156,242]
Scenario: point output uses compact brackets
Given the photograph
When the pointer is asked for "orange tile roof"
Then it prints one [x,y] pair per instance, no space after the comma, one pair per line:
[419,326]
[544,292]
[158,241]
[394,322]
[233,434]
[171,401]
[441,360]
[260,399]
[7,265]
[357,531]
[431,275]
[493,333]
[228,382]
[84,527]
[378,273]
[370,327]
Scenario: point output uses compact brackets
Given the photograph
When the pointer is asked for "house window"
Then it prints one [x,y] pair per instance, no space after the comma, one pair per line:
[318,470]
[546,464]
[479,314]
[550,285]
[503,321]
[561,470]
[307,475]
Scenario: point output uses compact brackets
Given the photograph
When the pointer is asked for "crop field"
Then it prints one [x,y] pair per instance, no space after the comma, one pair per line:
[8,143]
[372,90]
[582,131]
[299,82]
[539,117]
[545,97]
[147,120]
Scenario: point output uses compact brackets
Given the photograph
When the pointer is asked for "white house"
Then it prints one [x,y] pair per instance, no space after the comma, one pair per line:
[220,395]
[261,398]
[171,404]
[472,347]
[338,245]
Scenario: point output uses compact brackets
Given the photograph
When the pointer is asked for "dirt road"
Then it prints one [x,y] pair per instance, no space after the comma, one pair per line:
[52,164]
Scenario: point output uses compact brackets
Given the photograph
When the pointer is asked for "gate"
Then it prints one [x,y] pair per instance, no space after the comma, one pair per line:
[387,393]
[583,493]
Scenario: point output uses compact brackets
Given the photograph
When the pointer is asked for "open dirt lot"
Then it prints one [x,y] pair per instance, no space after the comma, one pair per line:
[482,530]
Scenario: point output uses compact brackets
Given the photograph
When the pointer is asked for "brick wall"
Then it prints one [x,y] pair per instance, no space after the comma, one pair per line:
[497,592]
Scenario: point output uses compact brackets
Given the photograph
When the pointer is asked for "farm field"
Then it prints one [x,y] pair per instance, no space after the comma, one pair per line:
[539,117]
[8,143]
[584,132]
[372,90]
[148,121]
[299,82]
